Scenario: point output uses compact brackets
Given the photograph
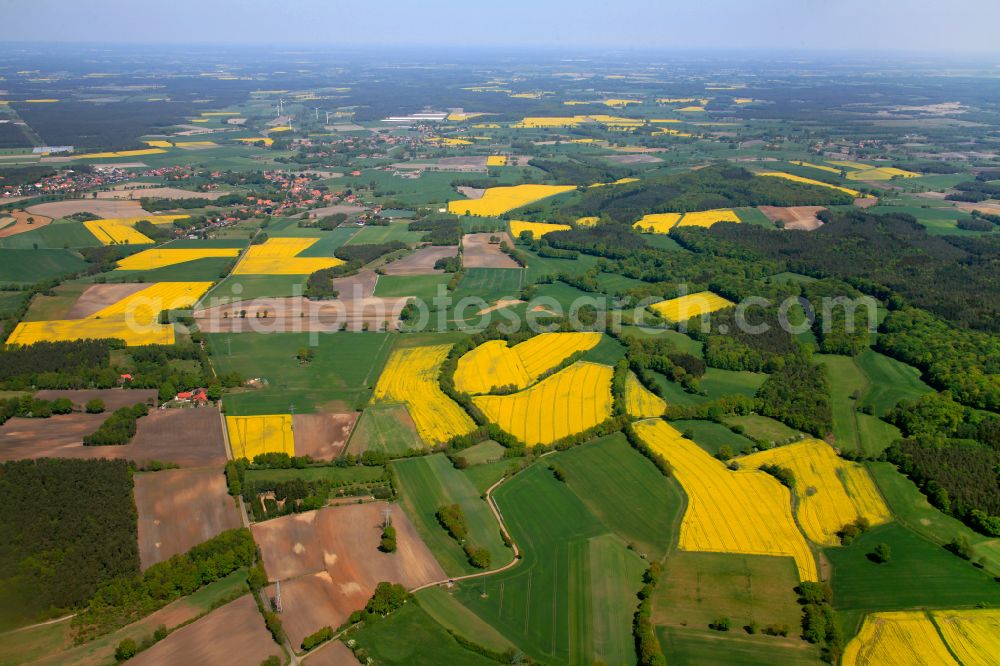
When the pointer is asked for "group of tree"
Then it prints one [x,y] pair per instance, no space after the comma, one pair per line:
[119,428]
[68,527]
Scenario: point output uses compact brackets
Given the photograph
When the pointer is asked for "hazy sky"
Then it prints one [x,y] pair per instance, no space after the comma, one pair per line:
[907,25]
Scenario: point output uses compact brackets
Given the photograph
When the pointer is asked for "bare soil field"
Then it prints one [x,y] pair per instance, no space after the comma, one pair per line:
[457,163]
[471,192]
[328,562]
[21,223]
[232,634]
[633,159]
[360,285]
[478,252]
[297,314]
[334,653]
[802,218]
[189,437]
[103,207]
[346,209]
[991,208]
[322,436]
[865,202]
[421,262]
[99,296]
[180,508]
[132,192]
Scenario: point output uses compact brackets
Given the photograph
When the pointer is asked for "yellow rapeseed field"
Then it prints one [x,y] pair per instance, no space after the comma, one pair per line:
[538,229]
[121,153]
[553,121]
[831,491]
[251,436]
[688,109]
[881,173]
[640,402]
[411,377]
[570,401]
[683,308]
[496,160]
[729,511]
[809,181]
[493,363]
[158,258]
[449,141]
[278,256]
[460,117]
[905,638]
[855,166]
[657,223]
[618,103]
[159,144]
[590,221]
[973,635]
[675,100]
[272,130]
[821,167]
[110,232]
[499,200]
[707,218]
[266,140]
[134,319]
[195,144]
[152,219]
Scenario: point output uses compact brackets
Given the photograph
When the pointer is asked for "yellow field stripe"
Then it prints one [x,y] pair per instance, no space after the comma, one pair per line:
[160,257]
[251,436]
[278,256]
[687,307]
[729,511]
[116,233]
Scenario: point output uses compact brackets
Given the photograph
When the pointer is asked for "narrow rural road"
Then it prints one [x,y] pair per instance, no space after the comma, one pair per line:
[39,624]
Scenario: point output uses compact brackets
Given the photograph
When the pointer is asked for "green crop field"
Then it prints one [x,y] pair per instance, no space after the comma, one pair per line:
[423,287]
[57,303]
[485,475]
[57,235]
[890,381]
[763,427]
[608,351]
[447,611]
[713,436]
[539,267]
[920,573]
[853,429]
[26,266]
[625,490]
[911,508]
[208,269]
[342,374]
[613,283]
[483,453]
[249,287]
[570,599]
[698,588]
[426,484]
[396,231]
[688,647]
[750,215]
[385,428]
[489,284]
[411,636]
[681,341]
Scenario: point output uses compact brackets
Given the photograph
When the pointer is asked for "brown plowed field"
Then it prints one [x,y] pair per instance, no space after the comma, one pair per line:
[298,314]
[478,252]
[802,218]
[180,508]
[102,207]
[322,436]
[189,437]
[158,193]
[99,296]
[332,555]
[421,262]
[21,223]
[232,634]
[333,654]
